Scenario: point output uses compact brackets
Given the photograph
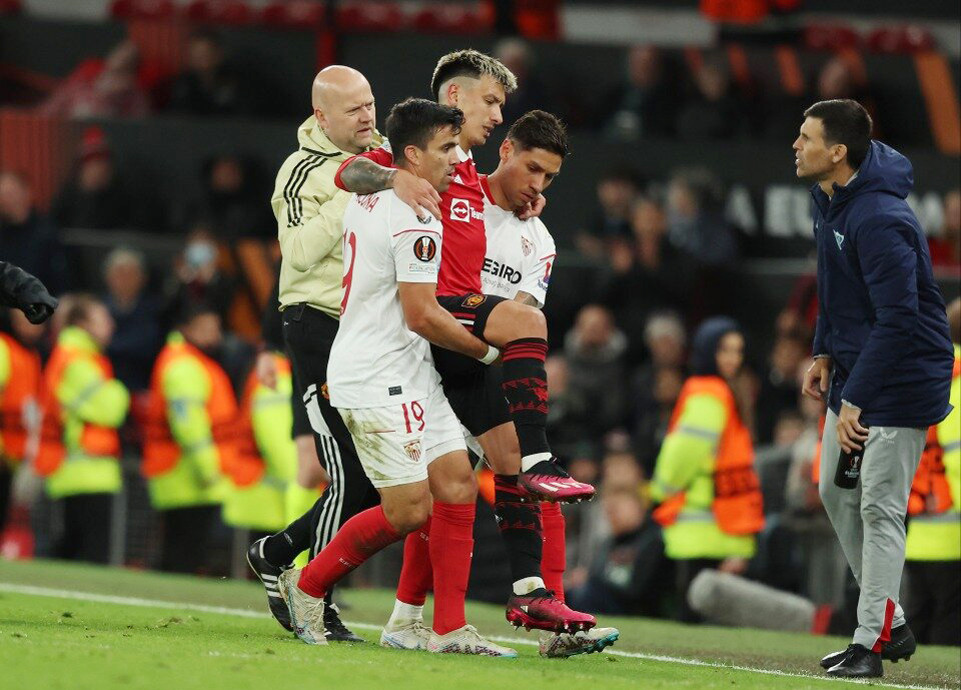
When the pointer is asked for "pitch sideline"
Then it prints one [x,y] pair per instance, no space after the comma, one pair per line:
[247,613]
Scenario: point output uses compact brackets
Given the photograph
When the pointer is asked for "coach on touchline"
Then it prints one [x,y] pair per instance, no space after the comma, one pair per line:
[882,342]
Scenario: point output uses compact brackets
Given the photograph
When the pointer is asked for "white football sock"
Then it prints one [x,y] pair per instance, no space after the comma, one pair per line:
[526,585]
[528,461]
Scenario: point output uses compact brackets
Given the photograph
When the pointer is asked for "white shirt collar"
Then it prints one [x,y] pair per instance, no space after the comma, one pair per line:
[463,155]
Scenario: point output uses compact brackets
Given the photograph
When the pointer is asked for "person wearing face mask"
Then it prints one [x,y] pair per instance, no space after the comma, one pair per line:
[704,479]
[83,405]
[192,435]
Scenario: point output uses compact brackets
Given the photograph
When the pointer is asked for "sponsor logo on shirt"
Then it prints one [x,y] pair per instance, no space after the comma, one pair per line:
[504,271]
[426,269]
[461,210]
[425,249]
[395,390]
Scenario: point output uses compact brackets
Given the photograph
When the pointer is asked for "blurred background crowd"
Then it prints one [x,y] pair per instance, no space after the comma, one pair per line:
[139,141]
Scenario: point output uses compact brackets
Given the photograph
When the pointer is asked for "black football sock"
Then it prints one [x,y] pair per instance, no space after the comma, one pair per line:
[282,548]
[520,526]
[525,387]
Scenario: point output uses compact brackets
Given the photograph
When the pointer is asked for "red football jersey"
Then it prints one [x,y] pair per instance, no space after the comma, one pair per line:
[462,214]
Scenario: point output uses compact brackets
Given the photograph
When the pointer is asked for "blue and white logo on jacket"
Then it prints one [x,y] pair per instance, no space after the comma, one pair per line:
[839,238]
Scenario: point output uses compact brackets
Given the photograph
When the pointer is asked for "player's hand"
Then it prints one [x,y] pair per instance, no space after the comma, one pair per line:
[735,565]
[417,193]
[534,208]
[851,435]
[816,378]
[266,368]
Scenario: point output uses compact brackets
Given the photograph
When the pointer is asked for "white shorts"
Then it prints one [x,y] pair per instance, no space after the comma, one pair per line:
[396,444]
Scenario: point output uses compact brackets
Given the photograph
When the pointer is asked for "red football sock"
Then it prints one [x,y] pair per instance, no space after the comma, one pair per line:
[360,538]
[451,548]
[554,558]
[417,575]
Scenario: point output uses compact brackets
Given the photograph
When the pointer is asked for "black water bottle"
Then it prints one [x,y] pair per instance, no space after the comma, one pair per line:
[849,469]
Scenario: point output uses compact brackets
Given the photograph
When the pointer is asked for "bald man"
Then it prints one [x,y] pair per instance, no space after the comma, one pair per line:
[309,210]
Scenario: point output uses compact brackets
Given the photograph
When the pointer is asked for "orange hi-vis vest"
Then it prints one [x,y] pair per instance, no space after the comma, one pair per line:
[737,504]
[930,492]
[95,441]
[22,389]
[161,451]
[247,467]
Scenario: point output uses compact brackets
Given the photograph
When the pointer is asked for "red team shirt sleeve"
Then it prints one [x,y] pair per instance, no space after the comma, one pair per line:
[380,155]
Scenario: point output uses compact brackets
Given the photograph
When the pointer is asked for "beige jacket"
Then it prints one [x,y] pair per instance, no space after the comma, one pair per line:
[309,209]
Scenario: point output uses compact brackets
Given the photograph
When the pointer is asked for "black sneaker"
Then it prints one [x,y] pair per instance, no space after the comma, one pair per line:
[858,662]
[268,573]
[334,628]
[901,646]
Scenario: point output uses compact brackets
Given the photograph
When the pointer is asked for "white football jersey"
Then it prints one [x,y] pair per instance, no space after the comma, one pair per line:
[376,361]
[520,253]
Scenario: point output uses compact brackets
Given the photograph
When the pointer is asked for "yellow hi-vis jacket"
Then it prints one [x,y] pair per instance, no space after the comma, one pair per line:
[267,463]
[934,529]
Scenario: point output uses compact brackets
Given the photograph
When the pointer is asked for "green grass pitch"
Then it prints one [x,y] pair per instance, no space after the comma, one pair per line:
[65,626]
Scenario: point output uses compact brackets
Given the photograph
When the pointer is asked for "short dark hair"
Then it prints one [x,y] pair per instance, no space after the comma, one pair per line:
[539,130]
[416,120]
[470,63]
[845,122]
[194,309]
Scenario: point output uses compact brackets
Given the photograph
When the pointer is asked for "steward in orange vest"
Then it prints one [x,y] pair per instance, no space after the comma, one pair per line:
[710,497]
[19,395]
[192,436]
[83,405]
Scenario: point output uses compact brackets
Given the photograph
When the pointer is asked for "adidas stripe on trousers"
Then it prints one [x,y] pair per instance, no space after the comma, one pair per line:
[869,519]
[309,334]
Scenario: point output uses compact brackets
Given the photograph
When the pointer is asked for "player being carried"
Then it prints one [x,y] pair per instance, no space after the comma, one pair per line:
[382,381]
[511,435]
[520,255]
[476,84]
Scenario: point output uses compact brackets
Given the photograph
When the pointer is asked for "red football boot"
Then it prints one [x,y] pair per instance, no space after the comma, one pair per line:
[542,610]
[547,481]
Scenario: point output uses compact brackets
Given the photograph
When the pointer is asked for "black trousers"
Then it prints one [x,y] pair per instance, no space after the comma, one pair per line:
[187,536]
[309,335]
[6,478]
[685,572]
[86,528]
[933,606]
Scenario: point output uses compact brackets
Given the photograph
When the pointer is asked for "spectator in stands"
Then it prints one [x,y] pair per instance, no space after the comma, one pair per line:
[136,313]
[644,105]
[616,190]
[648,275]
[779,386]
[517,57]
[566,414]
[946,249]
[629,574]
[209,85]
[656,385]
[102,88]
[695,217]
[595,351]
[232,200]
[27,237]
[94,196]
[714,110]
[198,277]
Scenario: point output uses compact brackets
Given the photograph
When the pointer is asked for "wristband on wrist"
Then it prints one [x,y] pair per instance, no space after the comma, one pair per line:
[492,354]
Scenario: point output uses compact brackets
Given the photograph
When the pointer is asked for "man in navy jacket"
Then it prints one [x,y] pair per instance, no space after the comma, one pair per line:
[882,355]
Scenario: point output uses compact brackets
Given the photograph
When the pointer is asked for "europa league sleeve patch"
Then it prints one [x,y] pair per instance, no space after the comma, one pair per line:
[425,248]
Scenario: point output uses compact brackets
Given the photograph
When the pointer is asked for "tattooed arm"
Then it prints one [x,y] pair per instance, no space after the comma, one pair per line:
[526,298]
[363,176]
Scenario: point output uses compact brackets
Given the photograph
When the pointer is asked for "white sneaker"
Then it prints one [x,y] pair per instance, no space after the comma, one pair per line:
[306,612]
[407,633]
[580,642]
[466,640]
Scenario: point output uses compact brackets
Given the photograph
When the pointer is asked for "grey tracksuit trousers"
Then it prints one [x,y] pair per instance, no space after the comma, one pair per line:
[869,519]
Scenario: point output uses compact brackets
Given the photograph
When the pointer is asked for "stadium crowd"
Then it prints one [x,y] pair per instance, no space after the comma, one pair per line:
[660,252]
